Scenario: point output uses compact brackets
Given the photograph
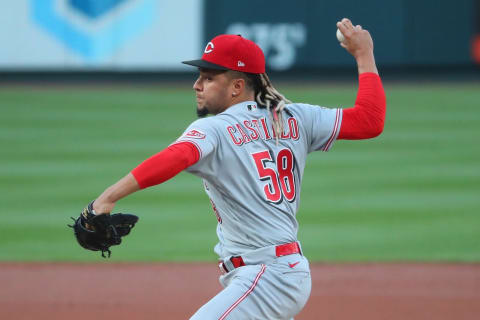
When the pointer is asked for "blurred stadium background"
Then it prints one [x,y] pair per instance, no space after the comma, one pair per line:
[90,88]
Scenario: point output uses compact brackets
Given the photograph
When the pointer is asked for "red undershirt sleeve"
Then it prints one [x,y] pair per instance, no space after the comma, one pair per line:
[166,164]
[366,119]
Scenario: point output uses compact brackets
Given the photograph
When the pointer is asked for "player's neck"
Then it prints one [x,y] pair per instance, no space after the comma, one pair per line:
[246,96]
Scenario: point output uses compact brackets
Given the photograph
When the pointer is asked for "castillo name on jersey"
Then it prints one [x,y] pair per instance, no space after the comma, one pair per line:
[254,129]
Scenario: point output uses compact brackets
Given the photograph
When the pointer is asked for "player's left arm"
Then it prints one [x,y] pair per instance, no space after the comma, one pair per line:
[366,119]
[154,170]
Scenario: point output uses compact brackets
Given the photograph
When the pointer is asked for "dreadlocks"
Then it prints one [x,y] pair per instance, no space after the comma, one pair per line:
[267,96]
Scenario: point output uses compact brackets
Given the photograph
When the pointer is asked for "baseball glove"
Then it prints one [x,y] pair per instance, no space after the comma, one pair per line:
[100,232]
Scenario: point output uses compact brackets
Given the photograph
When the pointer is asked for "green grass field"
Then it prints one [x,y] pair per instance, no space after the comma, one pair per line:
[413,194]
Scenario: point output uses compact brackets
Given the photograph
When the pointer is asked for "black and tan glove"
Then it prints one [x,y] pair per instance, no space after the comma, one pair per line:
[100,232]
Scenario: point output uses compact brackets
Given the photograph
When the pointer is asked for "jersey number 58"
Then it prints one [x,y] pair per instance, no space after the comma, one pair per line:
[282,180]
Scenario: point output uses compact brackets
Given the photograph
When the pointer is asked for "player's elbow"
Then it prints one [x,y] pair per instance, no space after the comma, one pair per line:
[375,126]
[376,130]
[378,121]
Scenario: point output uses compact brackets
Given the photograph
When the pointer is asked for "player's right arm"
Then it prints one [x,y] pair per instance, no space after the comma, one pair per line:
[366,119]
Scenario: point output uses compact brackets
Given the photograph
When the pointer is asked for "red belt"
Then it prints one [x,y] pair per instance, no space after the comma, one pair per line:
[280,250]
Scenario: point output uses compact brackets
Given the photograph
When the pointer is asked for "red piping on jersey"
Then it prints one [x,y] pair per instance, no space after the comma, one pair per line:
[366,119]
[166,164]
[233,306]
[334,132]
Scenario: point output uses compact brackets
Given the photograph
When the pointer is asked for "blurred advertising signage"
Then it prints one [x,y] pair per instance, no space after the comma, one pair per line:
[279,41]
[70,35]
[279,27]
[93,29]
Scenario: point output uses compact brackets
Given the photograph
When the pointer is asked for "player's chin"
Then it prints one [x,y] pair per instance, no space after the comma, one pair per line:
[202,111]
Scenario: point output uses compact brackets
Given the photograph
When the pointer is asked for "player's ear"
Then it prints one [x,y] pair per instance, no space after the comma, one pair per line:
[238,86]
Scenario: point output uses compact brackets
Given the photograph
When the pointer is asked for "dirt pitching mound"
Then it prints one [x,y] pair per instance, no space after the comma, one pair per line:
[175,291]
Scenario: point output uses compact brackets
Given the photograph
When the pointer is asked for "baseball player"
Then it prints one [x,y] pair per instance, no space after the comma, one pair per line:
[251,156]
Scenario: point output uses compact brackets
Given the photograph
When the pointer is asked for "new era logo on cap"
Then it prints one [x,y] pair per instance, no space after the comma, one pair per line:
[231,52]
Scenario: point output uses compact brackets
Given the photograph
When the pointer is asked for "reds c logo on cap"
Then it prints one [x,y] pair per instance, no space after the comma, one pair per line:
[209,47]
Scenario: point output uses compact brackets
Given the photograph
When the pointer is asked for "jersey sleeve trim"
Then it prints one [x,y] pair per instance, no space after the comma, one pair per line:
[193,143]
[335,132]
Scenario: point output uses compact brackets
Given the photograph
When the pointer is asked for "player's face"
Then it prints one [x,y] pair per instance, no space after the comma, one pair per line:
[213,92]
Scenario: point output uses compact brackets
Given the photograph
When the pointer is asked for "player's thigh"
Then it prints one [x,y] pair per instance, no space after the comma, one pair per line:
[280,293]
[220,306]
[258,292]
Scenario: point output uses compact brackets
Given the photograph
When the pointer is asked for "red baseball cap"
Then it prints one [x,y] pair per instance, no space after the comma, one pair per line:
[231,52]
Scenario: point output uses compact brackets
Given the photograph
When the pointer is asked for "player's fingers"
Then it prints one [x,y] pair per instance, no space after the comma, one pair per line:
[343,29]
[347,23]
[346,27]
[358,27]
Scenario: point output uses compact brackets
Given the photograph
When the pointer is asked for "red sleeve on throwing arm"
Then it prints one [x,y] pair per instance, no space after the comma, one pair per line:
[366,119]
[166,164]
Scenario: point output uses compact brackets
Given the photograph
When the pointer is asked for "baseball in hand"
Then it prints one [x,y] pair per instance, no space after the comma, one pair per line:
[340,36]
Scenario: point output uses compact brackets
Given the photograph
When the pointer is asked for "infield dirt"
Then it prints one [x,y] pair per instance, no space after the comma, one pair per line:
[174,291]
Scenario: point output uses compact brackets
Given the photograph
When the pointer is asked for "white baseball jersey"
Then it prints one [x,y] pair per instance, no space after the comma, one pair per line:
[254,183]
